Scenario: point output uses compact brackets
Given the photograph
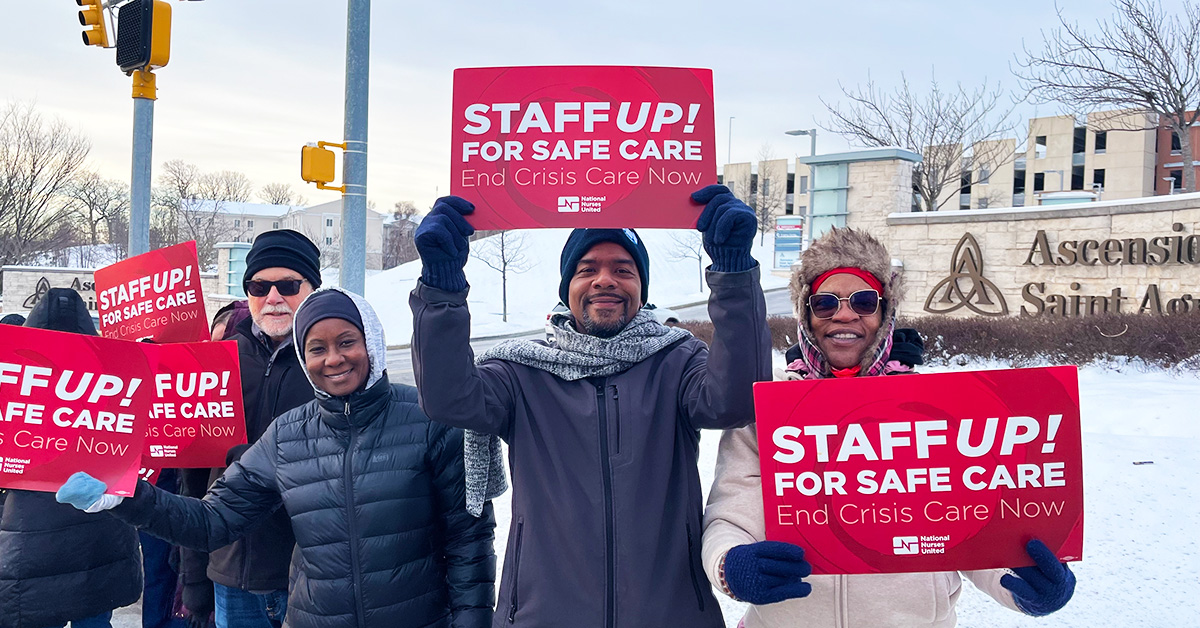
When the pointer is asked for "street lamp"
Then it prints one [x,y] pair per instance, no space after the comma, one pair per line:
[1061,181]
[729,143]
[812,133]
[1171,182]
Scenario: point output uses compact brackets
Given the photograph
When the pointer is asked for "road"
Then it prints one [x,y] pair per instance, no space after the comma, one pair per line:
[399,361]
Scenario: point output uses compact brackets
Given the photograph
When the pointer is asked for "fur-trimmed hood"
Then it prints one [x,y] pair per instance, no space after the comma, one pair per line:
[846,247]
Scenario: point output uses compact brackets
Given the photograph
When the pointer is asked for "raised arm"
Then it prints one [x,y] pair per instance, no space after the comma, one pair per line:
[452,390]
[718,385]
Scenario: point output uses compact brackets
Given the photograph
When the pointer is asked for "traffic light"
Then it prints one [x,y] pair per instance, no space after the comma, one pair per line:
[92,17]
[317,165]
[143,35]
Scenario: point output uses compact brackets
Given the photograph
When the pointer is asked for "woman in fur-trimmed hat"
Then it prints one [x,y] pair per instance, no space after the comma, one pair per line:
[845,295]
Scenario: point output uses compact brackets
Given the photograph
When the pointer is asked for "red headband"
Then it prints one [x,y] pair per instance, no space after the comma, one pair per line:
[849,270]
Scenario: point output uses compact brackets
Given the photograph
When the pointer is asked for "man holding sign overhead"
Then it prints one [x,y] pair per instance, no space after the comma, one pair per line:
[845,296]
[602,424]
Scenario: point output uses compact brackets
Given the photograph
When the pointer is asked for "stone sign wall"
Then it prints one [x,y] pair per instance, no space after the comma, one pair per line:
[24,286]
[1132,256]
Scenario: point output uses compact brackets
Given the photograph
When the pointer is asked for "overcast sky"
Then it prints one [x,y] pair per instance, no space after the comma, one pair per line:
[249,82]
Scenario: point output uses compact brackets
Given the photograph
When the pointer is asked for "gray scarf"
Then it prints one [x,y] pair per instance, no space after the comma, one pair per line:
[572,356]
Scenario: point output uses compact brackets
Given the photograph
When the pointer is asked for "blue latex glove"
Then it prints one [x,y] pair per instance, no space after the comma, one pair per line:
[441,241]
[767,572]
[728,226]
[1042,589]
[86,493]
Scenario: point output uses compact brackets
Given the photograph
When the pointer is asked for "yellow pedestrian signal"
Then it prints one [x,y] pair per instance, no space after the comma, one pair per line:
[92,17]
[317,165]
[143,35]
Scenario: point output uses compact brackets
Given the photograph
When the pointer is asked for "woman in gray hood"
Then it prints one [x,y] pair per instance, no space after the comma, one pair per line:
[374,491]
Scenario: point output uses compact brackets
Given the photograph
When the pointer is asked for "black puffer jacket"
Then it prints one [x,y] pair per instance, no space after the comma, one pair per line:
[375,494]
[273,382]
[58,563]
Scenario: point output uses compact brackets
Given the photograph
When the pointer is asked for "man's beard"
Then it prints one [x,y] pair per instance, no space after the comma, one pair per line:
[600,329]
[272,326]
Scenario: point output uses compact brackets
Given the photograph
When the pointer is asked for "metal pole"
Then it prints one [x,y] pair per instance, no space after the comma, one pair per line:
[354,167]
[813,146]
[143,146]
[729,143]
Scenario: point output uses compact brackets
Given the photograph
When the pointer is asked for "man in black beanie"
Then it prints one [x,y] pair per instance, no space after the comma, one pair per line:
[603,424]
[251,575]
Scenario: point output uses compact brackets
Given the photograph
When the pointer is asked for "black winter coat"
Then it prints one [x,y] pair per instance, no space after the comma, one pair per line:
[273,382]
[58,563]
[606,503]
[375,494]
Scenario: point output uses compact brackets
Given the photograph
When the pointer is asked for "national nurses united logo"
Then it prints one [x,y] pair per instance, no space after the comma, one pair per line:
[966,286]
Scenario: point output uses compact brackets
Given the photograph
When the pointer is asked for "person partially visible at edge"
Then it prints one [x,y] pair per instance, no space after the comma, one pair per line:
[57,564]
[15,320]
[602,424]
[227,319]
[249,578]
[845,295]
[374,490]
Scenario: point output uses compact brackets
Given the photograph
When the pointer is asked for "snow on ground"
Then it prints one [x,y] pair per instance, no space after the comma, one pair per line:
[532,293]
[1141,562]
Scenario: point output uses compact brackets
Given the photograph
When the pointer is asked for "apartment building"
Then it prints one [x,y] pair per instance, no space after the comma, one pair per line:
[770,184]
[242,222]
[1168,177]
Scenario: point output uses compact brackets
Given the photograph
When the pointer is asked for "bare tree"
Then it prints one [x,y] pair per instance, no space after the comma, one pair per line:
[504,253]
[280,194]
[398,244]
[770,196]
[951,129]
[94,203]
[688,244]
[329,245]
[38,160]
[195,205]
[1143,58]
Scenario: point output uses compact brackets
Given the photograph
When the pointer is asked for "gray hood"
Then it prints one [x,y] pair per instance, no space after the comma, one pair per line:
[372,329]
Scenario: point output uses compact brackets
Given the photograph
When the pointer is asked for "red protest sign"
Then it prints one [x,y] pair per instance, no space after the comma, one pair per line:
[63,409]
[197,413]
[916,473]
[155,295]
[582,146]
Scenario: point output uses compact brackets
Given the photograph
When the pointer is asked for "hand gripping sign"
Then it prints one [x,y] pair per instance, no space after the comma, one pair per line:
[916,473]
[196,414]
[64,408]
[153,296]
[582,146]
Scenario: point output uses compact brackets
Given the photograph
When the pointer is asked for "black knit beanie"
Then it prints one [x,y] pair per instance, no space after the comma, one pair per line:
[322,305]
[582,240]
[284,248]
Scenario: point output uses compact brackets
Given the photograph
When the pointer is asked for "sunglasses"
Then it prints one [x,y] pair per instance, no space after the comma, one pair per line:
[286,287]
[826,305]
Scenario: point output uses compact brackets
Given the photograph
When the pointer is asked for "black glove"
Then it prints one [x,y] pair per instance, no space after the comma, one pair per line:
[728,226]
[1042,589]
[441,241]
[198,602]
[767,572]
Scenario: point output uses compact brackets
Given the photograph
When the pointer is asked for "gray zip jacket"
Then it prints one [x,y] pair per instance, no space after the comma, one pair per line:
[607,506]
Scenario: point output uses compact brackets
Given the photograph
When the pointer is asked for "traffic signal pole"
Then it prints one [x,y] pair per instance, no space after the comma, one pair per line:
[354,164]
[143,147]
